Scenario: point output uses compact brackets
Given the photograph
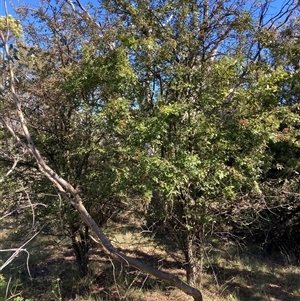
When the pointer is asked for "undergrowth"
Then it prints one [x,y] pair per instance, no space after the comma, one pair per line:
[228,272]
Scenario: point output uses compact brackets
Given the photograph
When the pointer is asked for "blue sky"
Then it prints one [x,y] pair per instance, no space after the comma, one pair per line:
[32,3]
[275,3]
[274,7]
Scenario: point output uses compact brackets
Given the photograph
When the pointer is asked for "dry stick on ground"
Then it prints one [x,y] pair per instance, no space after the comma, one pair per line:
[71,195]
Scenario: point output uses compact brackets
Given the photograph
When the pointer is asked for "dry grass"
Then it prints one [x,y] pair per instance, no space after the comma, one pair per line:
[228,273]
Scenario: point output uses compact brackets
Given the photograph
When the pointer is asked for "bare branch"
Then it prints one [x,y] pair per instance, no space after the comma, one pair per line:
[17,251]
[21,208]
[84,14]
[16,160]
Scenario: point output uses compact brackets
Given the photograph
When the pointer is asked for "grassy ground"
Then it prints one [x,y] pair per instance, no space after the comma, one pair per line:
[228,272]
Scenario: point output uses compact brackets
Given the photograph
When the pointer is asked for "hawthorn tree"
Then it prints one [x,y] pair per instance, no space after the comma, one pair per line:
[274,224]
[207,106]
[15,120]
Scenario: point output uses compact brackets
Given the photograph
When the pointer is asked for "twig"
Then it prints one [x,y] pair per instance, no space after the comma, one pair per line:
[131,284]
[114,276]
[7,287]
[11,170]
[17,252]
[22,207]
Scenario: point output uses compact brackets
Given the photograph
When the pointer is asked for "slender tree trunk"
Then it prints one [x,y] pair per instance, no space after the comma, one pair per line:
[80,244]
[191,262]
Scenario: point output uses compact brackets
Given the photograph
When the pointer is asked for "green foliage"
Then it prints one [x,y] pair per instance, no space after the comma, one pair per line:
[2,282]
[12,24]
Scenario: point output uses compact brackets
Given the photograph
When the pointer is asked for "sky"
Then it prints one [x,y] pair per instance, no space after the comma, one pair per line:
[275,3]
[274,7]
[32,3]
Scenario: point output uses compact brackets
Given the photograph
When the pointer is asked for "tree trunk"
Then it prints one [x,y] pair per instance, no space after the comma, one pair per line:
[191,262]
[80,244]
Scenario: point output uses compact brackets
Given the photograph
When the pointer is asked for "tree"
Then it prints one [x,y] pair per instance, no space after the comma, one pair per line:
[15,122]
[275,223]
[206,105]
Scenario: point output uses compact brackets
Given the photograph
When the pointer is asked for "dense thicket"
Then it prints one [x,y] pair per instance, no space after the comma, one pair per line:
[190,108]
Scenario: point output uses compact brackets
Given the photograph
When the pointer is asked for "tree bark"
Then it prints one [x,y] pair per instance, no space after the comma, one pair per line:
[80,244]
[191,262]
